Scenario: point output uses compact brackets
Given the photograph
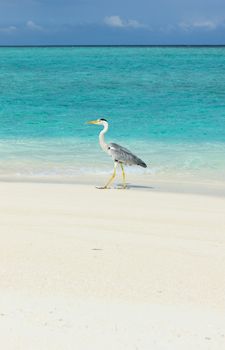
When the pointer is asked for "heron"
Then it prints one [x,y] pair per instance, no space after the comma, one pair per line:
[119,154]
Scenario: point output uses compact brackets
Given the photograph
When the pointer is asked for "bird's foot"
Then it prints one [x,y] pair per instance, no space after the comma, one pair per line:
[103,187]
[122,187]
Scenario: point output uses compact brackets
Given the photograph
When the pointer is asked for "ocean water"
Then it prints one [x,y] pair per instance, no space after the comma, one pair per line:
[167,105]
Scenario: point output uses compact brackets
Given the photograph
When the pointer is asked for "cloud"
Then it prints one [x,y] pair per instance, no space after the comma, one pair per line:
[9,29]
[118,22]
[33,26]
[199,24]
[205,24]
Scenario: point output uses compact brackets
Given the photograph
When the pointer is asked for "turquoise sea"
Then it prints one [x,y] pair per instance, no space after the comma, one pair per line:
[166,104]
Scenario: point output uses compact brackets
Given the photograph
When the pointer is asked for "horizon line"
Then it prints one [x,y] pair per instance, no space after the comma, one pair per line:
[115,45]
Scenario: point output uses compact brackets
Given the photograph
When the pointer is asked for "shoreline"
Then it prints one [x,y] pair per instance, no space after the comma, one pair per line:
[138,183]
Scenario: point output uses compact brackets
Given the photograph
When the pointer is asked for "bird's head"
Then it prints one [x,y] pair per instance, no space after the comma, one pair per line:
[98,122]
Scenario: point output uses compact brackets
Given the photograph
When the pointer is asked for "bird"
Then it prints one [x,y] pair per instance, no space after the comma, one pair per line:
[119,154]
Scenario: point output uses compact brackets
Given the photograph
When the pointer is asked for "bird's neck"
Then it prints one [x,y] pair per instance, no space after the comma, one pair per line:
[102,142]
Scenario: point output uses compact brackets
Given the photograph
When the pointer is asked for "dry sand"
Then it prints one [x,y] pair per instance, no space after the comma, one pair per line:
[82,269]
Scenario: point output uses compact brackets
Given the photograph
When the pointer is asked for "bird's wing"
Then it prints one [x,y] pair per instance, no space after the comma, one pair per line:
[115,146]
[123,155]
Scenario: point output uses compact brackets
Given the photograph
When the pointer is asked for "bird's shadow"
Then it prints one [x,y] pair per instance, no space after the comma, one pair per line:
[132,186]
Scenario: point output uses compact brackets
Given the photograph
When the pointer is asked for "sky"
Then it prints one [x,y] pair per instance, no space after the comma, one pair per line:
[112,22]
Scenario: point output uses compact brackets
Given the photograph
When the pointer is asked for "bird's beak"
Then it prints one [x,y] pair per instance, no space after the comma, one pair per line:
[92,122]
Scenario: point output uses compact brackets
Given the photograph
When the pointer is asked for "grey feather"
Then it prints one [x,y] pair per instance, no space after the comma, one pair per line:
[123,155]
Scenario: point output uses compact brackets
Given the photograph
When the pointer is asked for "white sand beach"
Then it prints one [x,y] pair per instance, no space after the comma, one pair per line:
[87,269]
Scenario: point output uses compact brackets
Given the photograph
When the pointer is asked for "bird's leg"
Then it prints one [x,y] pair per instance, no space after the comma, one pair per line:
[111,178]
[124,177]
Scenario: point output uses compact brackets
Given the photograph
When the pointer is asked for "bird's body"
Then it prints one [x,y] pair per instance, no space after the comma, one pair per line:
[118,153]
[124,156]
